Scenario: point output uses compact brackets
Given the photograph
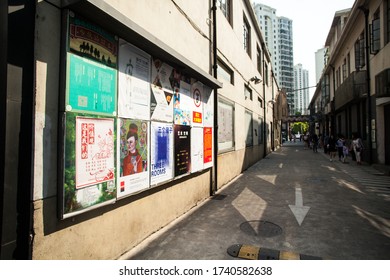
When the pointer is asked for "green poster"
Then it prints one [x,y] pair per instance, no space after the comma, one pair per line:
[89,163]
[91,87]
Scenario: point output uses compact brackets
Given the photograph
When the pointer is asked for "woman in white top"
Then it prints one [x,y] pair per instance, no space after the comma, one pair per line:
[357,146]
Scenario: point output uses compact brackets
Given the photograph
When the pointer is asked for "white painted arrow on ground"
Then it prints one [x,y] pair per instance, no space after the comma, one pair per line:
[298,209]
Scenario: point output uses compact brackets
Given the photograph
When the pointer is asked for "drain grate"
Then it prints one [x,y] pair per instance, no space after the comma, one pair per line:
[261,228]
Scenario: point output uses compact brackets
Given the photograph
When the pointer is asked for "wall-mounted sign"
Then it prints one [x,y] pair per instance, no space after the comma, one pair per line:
[182,149]
[133,156]
[134,82]
[93,42]
[89,167]
[161,159]
[91,87]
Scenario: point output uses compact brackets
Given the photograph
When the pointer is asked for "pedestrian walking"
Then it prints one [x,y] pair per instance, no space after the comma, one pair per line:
[345,152]
[357,145]
[332,147]
[326,139]
[315,142]
[340,144]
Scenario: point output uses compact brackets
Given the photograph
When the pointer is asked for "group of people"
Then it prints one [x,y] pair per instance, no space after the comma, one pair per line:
[342,147]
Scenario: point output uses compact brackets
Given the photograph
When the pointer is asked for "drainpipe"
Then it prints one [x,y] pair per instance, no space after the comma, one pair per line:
[214,179]
[265,104]
[332,108]
[368,82]
[3,103]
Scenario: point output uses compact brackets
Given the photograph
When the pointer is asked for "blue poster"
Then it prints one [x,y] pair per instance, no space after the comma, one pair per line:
[91,87]
[161,152]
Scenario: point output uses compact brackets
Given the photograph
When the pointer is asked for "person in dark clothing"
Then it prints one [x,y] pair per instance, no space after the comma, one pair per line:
[332,147]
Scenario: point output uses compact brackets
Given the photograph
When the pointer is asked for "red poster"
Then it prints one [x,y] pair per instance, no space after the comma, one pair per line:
[208,144]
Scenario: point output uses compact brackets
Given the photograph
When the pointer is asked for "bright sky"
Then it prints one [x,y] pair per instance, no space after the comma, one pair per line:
[312,20]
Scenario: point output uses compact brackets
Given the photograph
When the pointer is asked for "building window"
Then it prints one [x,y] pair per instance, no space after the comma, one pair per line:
[224,72]
[247,36]
[260,130]
[224,6]
[259,60]
[249,128]
[388,20]
[260,102]
[375,34]
[360,57]
[225,125]
[248,93]
[344,69]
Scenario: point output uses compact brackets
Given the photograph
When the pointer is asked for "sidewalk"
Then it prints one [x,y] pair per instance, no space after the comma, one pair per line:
[294,200]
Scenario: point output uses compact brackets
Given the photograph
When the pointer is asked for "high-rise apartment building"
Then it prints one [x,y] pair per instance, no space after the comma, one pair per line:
[301,94]
[278,34]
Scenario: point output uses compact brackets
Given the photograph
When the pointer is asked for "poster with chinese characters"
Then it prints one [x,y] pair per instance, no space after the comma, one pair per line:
[197,106]
[89,171]
[182,150]
[161,160]
[133,156]
[90,87]
[95,155]
[134,82]
[91,41]
[196,149]
[207,147]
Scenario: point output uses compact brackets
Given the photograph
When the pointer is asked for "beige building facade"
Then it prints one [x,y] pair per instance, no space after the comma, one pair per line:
[51,209]
[352,96]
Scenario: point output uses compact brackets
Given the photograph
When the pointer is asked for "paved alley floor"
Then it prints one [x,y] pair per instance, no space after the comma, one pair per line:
[294,200]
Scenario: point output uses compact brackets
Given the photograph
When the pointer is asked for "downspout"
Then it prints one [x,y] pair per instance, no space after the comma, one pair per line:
[273,114]
[265,105]
[368,81]
[3,104]
[332,114]
[214,179]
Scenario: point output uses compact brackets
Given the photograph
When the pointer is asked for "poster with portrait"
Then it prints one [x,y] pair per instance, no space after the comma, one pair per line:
[89,171]
[182,104]
[90,87]
[133,156]
[207,147]
[197,104]
[134,82]
[208,106]
[161,152]
[182,150]
[196,149]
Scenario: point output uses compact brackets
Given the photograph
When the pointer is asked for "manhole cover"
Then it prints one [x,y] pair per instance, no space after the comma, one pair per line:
[261,228]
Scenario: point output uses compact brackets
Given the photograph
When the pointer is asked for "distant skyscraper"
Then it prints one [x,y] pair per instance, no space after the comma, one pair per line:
[278,35]
[321,56]
[301,93]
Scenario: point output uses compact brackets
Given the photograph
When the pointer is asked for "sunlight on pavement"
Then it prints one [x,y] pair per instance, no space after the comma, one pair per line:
[268,178]
[382,224]
[250,205]
[345,183]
